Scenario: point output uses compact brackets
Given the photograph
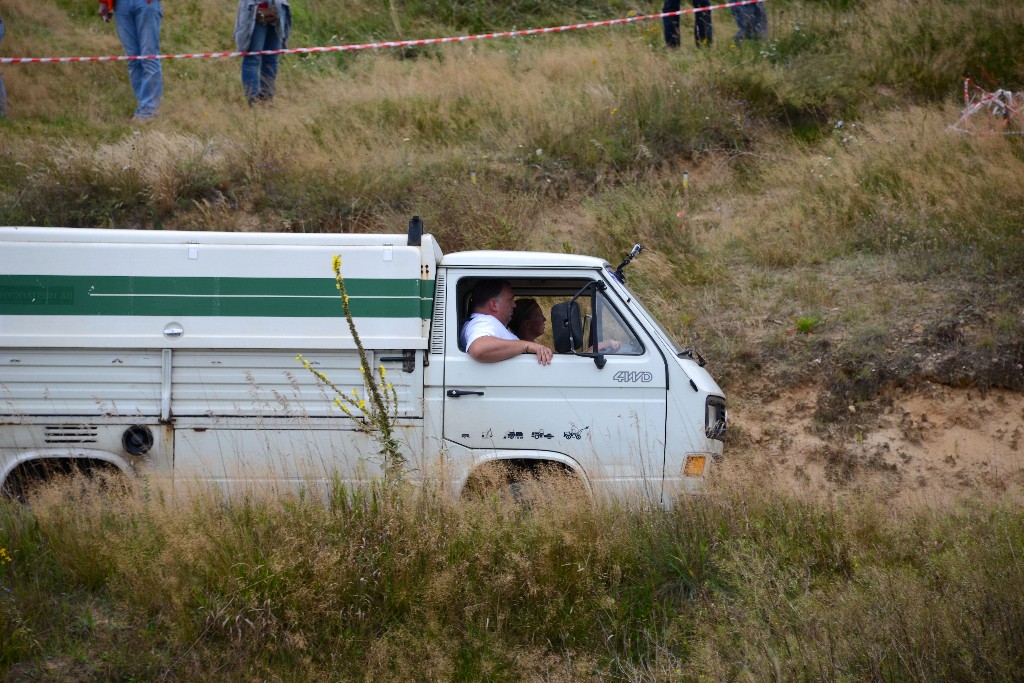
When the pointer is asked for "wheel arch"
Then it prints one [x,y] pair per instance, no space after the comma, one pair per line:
[525,460]
[29,465]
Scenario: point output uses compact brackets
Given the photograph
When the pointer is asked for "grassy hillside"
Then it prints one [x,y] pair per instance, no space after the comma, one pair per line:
[824,183]
[834,234]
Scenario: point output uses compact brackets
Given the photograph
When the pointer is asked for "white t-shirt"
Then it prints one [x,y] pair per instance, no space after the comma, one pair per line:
[483,325]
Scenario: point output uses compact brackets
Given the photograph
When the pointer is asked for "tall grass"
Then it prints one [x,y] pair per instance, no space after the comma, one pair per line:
[901,185]
[378,583]
[569,117]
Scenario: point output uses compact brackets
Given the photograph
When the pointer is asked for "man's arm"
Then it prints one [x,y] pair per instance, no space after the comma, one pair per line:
[492,350]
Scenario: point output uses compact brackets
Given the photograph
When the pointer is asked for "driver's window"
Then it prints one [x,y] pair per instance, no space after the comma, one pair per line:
[613,336]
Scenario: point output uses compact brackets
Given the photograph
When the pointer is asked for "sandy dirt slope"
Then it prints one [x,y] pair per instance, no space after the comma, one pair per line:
[930,446]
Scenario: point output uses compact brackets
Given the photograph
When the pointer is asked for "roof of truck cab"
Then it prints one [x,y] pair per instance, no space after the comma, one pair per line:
[520,259]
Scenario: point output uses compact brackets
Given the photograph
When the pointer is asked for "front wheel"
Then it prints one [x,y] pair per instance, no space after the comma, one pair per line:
[526,483]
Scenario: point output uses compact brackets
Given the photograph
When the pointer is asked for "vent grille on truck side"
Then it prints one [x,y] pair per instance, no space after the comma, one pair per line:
[70,434]
[437,321]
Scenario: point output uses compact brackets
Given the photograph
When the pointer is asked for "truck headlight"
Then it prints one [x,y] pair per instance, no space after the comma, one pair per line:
[716,417]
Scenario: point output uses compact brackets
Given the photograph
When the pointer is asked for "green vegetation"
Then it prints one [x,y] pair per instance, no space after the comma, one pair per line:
[822,177]
[369,584]
[807,323]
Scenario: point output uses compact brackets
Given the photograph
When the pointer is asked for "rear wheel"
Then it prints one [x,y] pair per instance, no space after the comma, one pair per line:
[80,477]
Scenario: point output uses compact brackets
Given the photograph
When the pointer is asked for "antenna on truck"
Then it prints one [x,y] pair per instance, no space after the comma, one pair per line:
[619,275]
[415,232]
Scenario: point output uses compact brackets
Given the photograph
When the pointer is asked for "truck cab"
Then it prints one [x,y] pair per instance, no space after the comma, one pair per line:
[621,406]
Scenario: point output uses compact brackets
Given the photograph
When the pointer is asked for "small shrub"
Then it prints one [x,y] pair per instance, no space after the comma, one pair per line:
[807,324]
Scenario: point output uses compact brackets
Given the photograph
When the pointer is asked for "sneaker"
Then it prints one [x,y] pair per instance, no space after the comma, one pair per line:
[141,120]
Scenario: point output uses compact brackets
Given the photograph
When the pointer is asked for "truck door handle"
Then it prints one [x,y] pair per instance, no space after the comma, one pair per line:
[455,393]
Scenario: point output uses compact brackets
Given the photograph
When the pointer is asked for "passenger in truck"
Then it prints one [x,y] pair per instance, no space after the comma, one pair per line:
[486,336]
[527,320]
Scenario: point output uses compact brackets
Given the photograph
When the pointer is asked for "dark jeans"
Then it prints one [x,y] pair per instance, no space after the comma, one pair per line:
[751,22]
[701,23]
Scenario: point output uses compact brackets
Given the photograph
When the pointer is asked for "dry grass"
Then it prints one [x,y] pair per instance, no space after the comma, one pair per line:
[905,184]
[366,583]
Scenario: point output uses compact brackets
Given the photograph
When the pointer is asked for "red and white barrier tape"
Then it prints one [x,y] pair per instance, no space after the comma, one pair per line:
[1003,105]
[378,46]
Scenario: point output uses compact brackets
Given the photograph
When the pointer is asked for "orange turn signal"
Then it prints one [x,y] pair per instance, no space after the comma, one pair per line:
[694,466]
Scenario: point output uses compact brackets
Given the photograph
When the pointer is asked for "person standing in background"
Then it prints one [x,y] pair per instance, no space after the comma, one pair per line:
[261,25]
[751,22]
[671,24]
[701,23]
[138,27]
[761,23]
[3,92]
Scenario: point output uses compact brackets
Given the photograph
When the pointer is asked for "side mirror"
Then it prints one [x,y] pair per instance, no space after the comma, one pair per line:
[567,331]
[566,327]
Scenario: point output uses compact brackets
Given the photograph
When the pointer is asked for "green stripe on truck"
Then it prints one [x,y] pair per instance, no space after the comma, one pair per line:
[211,296]
[426,299]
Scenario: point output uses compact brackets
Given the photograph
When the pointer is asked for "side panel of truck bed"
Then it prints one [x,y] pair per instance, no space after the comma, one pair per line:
[67,288]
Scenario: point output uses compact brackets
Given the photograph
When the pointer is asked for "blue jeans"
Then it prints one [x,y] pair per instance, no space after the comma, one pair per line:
[260,71]
[138,26]
[751,22]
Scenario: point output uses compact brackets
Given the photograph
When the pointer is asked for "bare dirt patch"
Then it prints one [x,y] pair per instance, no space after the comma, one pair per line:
[931,445]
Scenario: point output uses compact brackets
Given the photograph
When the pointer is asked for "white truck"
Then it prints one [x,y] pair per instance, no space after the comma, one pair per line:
[174,354]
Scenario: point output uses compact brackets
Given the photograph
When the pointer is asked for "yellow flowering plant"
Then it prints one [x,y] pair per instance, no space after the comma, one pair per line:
[376,417]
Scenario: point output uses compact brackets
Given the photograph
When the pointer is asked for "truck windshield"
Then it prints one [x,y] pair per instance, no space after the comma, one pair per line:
[676,348]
